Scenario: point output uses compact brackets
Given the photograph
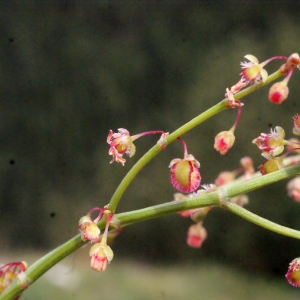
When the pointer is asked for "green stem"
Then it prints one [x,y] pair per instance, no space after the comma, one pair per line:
[244,213]
[213,198]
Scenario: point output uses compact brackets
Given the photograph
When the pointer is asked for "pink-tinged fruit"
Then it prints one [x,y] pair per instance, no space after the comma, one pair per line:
[271,165]
[293,273]
[184,174]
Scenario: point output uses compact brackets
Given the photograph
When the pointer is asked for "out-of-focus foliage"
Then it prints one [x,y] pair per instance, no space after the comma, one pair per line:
[71,71]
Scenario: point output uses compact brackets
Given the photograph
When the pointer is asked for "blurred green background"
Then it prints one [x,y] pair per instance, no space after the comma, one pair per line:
[72,70]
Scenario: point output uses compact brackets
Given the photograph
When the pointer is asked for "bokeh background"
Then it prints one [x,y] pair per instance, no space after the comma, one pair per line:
[72,70]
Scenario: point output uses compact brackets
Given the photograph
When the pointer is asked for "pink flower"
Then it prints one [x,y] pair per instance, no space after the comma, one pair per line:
[253,71]
[101,254]
[122,143]
[273,143]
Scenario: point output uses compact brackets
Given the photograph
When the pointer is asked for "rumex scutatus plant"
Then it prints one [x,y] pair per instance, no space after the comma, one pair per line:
[227,191]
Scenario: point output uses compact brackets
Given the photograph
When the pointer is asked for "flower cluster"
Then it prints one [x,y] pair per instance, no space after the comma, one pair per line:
[100,252]
[9,272]
[184,172]
[254,72]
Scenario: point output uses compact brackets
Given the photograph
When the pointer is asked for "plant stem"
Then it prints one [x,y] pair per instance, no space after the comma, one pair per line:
[244,213]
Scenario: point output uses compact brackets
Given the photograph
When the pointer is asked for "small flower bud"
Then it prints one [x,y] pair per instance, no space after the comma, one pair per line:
[224,141]
[196,235]
[278,92]
[293,188]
